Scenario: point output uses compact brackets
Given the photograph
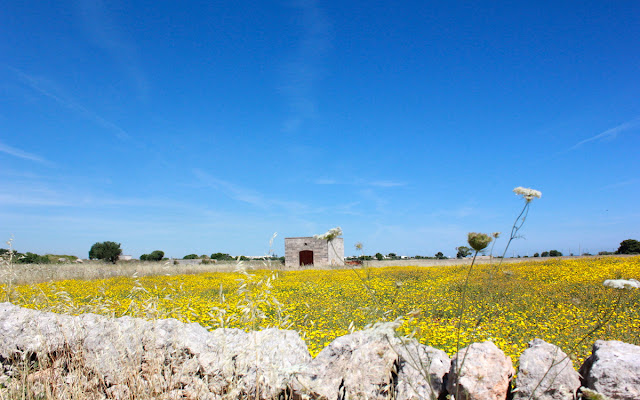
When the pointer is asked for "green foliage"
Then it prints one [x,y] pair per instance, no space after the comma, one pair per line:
[440,256]
[190,257]
[156,255]
[106,251]
[605,253]
[55,258]
[32,258]
[367,258]
[379,256]
[545,254]
[463,251]
[555,253]
[536,254]
[629,246]
[221,256]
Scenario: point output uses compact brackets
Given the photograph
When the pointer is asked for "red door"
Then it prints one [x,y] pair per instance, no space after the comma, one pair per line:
[306,257]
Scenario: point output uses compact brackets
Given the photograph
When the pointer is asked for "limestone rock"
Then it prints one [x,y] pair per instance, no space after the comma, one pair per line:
[373,364]
[546,373]
[480,371]
[166,356]
[613,369]
[422,371]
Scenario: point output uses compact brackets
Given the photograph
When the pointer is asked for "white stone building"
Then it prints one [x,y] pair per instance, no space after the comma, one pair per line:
[311,251]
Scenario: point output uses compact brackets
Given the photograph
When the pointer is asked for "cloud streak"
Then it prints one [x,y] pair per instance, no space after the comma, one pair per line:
[259,200]
[48,89]
[12,151]
[609,134]
[380,184]
[94,18]
[302,70]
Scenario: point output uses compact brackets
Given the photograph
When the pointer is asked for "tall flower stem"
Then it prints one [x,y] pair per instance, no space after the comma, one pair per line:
[517,224]
[461,317]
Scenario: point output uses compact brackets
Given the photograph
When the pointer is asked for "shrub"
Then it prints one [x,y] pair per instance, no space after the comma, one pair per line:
[107,251]
[629,246]
[190,257]
[221,256]
[32,258]
[463,251]
[555,253]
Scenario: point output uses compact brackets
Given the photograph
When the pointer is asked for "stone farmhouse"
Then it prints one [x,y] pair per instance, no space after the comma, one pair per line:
[300,251]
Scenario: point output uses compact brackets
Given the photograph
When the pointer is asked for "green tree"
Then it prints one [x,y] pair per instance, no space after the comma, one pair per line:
[221,256]
[379,256]
[629,246]
[555,253]
[392,255]
[190,257]
[536,254]
[106,251]
[440,256]
[545,254]
[463,251]
[155,255]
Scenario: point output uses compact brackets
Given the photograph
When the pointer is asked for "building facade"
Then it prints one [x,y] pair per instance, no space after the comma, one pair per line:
[300,251]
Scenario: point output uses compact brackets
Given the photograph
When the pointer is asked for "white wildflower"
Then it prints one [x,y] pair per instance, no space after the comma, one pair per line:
[330,234]
[527,193]
[622,283]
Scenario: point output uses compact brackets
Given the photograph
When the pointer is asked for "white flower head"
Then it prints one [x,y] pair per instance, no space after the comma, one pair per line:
[330,234]
[622,283]
[527,193]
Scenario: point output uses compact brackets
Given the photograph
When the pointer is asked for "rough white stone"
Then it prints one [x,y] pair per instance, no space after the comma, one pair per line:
[480,371]
[374,364]
[546,373]
[613,369]
[167,354]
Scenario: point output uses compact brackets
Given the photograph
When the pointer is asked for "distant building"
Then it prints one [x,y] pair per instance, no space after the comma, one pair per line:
[311,251]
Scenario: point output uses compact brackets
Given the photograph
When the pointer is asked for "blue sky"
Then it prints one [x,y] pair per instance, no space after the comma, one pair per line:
[202,127]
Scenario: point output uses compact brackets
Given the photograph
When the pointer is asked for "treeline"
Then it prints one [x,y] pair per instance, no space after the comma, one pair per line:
[33,258]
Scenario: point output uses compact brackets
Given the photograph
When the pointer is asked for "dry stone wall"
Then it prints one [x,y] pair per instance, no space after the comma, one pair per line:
[91,356]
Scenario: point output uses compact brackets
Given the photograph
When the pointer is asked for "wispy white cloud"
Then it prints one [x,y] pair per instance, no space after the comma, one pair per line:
[621,184]
[262,201]
[609,134]
[231,190]
[106,34]
[12,151]
[303,69]
[387,183]
[382,183]
[49,89]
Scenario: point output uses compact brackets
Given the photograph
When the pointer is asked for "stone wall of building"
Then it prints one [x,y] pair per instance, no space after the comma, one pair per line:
[323,252]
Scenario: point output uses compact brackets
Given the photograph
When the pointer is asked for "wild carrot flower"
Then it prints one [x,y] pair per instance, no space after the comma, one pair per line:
[330,234]
[527,193]
[478,241]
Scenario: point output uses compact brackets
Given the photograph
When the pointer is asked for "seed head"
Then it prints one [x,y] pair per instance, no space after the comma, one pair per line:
[478,241]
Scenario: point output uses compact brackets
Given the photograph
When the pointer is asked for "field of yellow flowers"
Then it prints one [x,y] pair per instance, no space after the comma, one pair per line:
[560,301]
